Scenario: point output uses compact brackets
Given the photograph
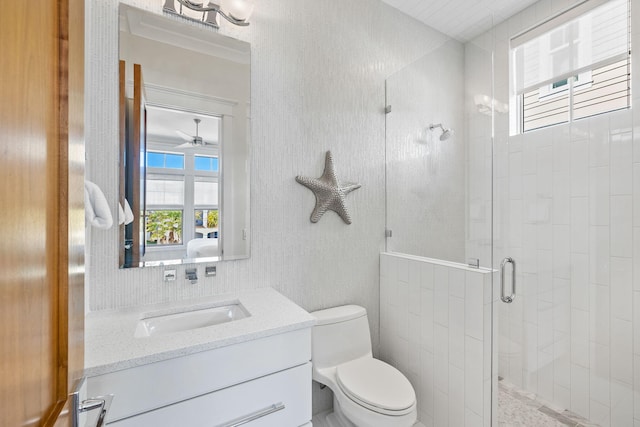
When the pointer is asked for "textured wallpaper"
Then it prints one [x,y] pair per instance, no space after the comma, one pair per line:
[317,84]
[318,73]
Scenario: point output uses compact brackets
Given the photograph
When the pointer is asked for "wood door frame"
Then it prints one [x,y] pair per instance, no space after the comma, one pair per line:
[70,198]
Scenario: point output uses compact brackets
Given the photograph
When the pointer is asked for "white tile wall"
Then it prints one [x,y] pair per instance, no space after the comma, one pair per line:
[448,348]
[566,208]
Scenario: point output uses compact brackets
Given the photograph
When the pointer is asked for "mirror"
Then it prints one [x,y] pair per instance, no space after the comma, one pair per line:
[184,142]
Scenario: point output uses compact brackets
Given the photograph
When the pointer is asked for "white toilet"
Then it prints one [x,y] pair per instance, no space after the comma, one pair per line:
[367,392]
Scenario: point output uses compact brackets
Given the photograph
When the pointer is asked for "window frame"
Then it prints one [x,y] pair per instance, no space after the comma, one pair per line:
[577,81]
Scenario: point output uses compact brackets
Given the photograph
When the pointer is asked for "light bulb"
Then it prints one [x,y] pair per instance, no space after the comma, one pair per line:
[238,9]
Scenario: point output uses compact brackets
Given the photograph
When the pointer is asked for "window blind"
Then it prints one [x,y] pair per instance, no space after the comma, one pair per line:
[163,191]
[590,35]
[205,193]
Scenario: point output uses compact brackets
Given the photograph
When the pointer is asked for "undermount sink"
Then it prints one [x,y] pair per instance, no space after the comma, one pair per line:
[186,320]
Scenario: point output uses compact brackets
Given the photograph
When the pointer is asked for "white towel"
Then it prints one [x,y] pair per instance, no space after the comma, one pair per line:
[96,208]
[125,216]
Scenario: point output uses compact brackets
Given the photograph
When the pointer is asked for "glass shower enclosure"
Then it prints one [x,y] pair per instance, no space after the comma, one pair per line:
[511,262]
[436,276]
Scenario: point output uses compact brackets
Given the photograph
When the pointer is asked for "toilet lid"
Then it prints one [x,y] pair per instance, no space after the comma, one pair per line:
[376,385]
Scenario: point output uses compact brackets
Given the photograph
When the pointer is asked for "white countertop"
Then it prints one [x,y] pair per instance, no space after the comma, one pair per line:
[110,344]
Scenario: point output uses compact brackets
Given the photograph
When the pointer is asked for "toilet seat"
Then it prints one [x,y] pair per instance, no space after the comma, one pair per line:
[377,386]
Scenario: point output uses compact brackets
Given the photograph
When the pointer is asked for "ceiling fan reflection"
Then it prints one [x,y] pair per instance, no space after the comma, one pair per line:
[192,141]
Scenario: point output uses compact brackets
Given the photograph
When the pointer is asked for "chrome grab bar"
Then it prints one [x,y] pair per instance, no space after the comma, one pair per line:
[255,415]
[508,299]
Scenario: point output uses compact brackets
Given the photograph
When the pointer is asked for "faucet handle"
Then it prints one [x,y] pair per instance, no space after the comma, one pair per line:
[192,275]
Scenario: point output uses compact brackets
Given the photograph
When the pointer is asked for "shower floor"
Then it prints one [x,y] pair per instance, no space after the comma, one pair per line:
[517,408]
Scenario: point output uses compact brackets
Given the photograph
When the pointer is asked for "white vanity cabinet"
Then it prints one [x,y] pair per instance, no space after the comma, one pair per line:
[260,382]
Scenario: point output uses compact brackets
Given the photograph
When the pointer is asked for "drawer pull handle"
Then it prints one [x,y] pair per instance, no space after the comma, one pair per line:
[255,415]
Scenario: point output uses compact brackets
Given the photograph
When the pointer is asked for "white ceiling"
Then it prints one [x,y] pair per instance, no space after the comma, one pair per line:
[462,20]
[162,124]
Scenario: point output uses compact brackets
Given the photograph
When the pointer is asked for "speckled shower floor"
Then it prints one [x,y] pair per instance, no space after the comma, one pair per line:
[515,409]
[519,409]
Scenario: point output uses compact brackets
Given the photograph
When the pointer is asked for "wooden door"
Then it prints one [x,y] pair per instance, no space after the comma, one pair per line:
[42,217]
[122,152]
[136,171]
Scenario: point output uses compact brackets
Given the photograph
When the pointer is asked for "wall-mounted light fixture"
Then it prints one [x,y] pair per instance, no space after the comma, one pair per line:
[235,11]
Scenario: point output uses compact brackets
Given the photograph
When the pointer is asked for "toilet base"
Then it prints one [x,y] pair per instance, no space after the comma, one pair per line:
[333,418]
[338,417]
[327,419]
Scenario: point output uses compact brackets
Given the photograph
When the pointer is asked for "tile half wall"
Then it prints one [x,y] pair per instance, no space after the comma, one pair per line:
[435,327]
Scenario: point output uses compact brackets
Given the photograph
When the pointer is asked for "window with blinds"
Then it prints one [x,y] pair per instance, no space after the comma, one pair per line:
[182,196]
[164,217]
[572,66]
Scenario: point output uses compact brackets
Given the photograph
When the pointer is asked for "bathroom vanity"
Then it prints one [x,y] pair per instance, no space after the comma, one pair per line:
[252,368]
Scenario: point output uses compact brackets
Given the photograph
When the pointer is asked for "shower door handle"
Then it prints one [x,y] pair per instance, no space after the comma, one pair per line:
[504,297]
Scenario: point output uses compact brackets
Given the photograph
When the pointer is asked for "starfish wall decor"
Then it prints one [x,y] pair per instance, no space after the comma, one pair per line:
[330,193]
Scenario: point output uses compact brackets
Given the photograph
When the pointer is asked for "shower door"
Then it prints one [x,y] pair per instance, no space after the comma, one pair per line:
[540,336]
[566,193]
[532,213]
[563,210]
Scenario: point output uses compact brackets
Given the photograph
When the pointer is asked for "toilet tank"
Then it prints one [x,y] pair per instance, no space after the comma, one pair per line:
[340,334]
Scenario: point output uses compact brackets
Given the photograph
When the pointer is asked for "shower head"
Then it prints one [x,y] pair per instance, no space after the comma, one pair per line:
[446,133]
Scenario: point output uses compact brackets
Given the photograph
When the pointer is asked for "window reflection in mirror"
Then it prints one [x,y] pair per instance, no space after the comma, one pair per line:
[182,177]
[193,172]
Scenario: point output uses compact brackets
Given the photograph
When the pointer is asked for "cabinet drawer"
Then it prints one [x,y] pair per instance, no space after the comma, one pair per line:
[289,391]
[148,387]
